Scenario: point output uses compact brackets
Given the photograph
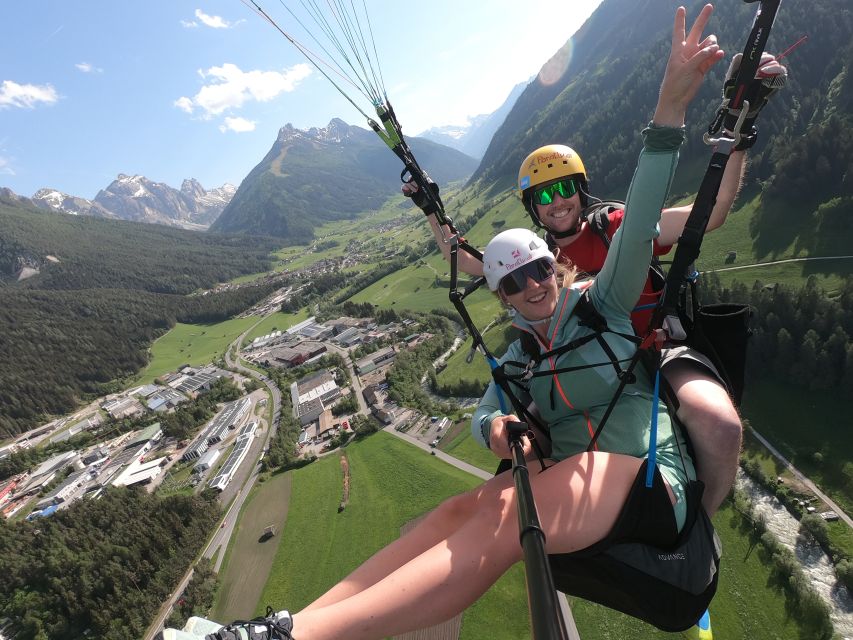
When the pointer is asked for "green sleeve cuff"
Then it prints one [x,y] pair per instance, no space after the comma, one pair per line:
[657,138]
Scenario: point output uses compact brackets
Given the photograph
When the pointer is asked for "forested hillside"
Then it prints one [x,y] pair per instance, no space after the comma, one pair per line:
[100,569]
[601,87]
[105,290]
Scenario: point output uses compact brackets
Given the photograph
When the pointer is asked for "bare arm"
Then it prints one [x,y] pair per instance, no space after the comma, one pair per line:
[673,220]
[465,261]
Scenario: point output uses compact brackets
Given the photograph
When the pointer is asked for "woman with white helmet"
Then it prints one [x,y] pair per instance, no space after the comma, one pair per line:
[460,549]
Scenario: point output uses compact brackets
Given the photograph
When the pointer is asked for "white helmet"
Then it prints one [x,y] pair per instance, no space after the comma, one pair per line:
[510,250]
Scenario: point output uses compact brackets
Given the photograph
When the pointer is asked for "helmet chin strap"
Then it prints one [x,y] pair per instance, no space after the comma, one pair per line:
[569,232]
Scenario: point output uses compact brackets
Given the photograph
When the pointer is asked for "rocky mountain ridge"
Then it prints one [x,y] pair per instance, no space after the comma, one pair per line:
[326,174]
[473,138]
[138,199]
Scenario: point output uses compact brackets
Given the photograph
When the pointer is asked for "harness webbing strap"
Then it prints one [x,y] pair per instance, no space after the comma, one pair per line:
[653,433]
[690,241]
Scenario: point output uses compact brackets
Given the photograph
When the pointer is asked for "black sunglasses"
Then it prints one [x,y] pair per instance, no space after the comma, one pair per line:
[515,282]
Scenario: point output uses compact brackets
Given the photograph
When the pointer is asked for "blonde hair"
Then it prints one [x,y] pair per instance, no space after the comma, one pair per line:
[566,274]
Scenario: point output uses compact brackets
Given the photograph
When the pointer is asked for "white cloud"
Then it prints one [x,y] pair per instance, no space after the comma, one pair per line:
[237,125]
[230,88]
[86,67]
[184,104]
[189,24]
[26,96]
[214,22]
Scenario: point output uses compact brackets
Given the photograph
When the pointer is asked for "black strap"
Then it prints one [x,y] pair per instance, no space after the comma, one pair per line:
[694,229]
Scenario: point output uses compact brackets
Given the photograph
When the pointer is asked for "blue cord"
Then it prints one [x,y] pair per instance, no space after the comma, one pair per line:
[653,433]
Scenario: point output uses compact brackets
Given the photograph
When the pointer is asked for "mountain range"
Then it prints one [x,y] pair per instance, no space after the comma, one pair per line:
[325,174]
[139,199]
[473,138]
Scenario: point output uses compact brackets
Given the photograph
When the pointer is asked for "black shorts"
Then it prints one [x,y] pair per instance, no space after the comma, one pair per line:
[647,517]
[645,567]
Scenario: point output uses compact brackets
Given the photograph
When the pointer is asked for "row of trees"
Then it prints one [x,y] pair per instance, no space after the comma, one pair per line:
[100,568]
[404,376]
[800,335]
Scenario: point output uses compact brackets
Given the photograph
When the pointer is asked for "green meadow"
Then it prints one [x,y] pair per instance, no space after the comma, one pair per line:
[392,483]
[278,321]
[192,344]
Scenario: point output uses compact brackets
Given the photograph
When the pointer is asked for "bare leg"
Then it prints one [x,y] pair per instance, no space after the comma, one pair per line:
[714,426]
[578,501]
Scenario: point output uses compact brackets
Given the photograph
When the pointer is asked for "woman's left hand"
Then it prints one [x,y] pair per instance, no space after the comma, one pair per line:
[691,57]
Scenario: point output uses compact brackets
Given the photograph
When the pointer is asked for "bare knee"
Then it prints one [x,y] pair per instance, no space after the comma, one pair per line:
[456,510]
[707,412]
[716,426]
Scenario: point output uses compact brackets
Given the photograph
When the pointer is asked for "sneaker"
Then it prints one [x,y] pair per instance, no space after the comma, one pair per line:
[701,630]
[273,626]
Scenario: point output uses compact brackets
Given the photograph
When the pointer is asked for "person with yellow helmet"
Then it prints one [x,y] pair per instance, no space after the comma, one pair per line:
[579,227]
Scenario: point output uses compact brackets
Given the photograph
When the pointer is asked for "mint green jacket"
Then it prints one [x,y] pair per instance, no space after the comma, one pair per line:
[572,403]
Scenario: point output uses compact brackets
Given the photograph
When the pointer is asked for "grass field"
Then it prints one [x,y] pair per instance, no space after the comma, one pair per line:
[320,546]
[275,322]
[191,344]
[459,444]
[736,235]
[248,560]
[801,423]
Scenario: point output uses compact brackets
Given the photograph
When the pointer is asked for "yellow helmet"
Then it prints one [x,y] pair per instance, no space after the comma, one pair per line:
[551,162]
[545,165]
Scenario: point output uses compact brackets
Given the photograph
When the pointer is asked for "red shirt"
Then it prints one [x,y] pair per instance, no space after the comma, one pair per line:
[588,253]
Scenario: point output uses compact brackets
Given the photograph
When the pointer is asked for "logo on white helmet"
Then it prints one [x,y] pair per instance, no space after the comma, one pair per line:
[512,266]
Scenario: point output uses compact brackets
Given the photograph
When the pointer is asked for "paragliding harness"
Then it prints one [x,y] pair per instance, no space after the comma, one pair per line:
[718,331]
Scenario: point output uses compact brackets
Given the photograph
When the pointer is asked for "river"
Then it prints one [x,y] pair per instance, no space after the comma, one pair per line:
[814,561]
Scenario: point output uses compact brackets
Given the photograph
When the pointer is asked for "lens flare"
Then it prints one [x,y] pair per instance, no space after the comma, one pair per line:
[556,67]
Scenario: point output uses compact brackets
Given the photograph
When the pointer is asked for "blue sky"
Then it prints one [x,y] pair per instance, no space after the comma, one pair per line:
[175,89]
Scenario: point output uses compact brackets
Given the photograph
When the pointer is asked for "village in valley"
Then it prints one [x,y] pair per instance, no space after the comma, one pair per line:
[224,450]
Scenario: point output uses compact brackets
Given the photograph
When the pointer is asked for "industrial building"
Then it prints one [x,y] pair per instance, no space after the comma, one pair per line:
[226,473]
[207,461]
[139,472]
[227,419]
[195,450]
[122,407]
[47,471]
[374,360]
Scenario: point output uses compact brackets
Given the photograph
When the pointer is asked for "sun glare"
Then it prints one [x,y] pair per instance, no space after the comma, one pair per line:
[554,69]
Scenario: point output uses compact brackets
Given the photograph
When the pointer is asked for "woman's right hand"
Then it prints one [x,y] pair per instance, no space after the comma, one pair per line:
[499,438]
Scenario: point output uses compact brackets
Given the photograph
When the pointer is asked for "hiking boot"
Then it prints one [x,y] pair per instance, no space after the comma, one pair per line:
[273,626]
[701,630]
